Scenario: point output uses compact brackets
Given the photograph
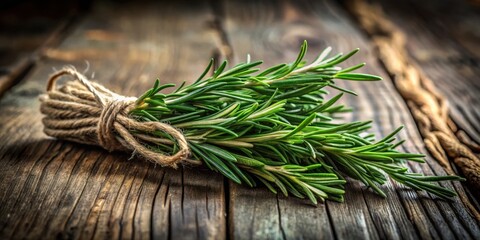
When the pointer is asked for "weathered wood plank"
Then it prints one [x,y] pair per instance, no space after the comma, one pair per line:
[272,31]
[25,31]
[443,40]
[443,139]
[52,188]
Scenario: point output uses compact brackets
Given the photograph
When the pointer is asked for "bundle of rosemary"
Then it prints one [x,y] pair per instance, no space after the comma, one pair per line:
[274,127]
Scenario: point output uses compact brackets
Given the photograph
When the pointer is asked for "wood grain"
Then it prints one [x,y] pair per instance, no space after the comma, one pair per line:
[273,32]
[443,40]
[425,102]
[53,189]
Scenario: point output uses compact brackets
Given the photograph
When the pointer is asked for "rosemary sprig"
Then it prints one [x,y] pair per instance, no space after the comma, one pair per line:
[275,127]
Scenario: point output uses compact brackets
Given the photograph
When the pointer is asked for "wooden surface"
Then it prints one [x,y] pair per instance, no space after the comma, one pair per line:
[452,61]
[55,189]
[25,32]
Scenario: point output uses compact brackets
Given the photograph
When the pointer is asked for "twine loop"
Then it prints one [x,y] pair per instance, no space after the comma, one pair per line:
[86,112]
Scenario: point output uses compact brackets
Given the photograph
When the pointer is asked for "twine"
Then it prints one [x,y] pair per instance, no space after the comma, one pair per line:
[442,137]
[86,112]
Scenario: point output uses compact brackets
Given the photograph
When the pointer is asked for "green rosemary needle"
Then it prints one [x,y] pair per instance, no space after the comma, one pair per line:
[274,127]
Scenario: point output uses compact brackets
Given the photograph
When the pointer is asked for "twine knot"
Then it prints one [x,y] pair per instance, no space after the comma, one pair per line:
[86,112]
[108,116]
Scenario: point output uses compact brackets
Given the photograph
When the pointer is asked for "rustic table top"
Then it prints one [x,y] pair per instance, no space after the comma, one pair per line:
[56,189]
